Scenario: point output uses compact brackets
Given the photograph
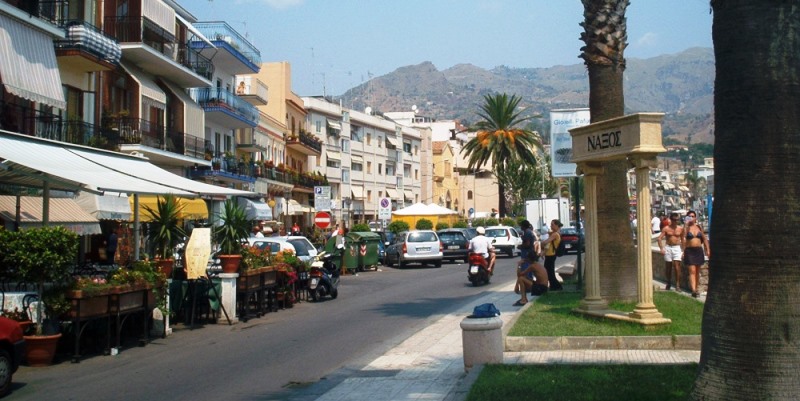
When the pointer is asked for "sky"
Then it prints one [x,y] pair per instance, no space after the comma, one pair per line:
[334,45]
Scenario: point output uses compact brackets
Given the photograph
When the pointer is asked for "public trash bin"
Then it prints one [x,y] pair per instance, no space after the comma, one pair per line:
[368,244]
[350,257]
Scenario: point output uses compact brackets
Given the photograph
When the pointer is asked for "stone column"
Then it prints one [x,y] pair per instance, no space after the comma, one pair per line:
[645,309]
[592,300]
[228,300]
[482,341]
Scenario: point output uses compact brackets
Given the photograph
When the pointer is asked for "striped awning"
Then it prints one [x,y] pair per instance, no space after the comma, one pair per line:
[392,193]
[193,115]
[357,192]
[62,212]
[28,64]
[147,86]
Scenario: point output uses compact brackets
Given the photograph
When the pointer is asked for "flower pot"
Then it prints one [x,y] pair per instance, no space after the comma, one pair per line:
[230,263]
[40,350]
[166,265]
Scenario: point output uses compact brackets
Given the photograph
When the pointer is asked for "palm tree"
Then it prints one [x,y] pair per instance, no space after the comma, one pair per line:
[695,183]
[750,323]
[499,141]
[605,36]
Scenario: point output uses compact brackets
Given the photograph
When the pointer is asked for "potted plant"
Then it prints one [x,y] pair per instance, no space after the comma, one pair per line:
[165,230]
[231,234]
[43,256]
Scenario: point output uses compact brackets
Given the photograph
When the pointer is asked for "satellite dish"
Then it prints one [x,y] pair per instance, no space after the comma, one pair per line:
[368,110]
[414,108]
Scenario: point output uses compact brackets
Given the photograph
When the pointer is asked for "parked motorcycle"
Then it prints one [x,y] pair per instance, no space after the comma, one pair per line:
[323,278]
[477,270]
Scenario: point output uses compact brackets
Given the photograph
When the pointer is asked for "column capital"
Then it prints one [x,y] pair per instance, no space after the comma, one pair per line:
[643,161]
[589,168]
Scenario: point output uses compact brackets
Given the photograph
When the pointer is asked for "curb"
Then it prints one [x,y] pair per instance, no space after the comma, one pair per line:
[676,342]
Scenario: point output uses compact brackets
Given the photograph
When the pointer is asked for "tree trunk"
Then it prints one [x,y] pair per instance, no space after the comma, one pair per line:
[750,324]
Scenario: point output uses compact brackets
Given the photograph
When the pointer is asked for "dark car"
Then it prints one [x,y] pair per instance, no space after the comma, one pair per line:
[569,235]
[455,242]
[386,238]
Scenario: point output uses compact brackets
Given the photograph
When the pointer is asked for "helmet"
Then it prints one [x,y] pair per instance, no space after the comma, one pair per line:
[481,230]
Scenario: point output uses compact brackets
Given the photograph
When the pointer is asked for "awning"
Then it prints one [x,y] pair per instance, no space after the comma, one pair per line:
[111,206]
[194,30]
[333,155]
[28,63]
[161,14]
[408,194]
[194,118]
[356,158]
[358,192]
[29,161]
[63,212]
[147,85]
[392,193]
[255,209]
[295,208]
[335,125]
[391,141]
[684,188]
[192,209]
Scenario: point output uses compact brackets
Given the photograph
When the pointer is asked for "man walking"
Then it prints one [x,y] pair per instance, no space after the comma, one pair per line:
[673,250]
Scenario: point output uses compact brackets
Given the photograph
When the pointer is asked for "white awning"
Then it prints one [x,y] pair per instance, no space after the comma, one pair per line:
[111,206]
[356,158]
[28,63]
[333,155]
[391,141]
[160,13]
[255,209]
[29,161]
[193,115]
[62,212]
[295,208]
[147,86]
[684,188]
[335,125]
[194,31]
[408,194]
[392,193]
[358,192]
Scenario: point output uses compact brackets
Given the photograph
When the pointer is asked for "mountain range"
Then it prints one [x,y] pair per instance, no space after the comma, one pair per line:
[680,85]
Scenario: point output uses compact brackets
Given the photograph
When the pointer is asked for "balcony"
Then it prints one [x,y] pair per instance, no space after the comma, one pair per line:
[252,90]
[154,50]
[304,143]
[225,108]
[250,140]
[233,53]
[87,48]
[41,124]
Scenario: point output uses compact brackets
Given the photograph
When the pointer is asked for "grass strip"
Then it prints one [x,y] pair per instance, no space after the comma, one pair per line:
[584,382]
[552,315]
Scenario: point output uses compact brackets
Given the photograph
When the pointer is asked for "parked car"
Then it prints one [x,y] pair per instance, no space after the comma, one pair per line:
[506,239]
[420,246]
[303,248]
[12,350]
[386,238]
[455,243]
[569,235]
[274,244]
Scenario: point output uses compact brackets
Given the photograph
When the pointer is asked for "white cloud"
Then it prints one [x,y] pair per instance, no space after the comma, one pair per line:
[283,4]
[649,39]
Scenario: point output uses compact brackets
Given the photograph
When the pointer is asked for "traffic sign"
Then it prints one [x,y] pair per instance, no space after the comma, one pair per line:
[385,209]
[322,198]
[322,220]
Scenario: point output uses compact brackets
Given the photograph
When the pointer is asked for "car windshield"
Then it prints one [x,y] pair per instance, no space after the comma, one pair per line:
[300,246]
[422,237]
[496,232]
[451,236]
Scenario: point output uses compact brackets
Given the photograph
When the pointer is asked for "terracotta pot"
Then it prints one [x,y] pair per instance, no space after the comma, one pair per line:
[40,350]
[230,263]
[165,265]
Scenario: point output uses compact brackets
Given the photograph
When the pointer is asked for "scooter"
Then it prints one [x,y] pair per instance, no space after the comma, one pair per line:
[323,279]
[478,270]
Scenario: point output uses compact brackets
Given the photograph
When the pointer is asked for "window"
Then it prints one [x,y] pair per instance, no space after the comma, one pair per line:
[346,116]
[357,134]
[469,195]
[357,167]
[380,169]
[407,147]
[369,167]
[380,141]
[369,196]
[416,150]
[345,145]
[380,194]
[369,139]
[416,174]
[389,170]
[332,163]
[407,170]
[318,126]
[345,176]
[400,183]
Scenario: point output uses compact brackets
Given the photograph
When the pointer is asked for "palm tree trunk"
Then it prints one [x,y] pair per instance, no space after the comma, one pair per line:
[750,323]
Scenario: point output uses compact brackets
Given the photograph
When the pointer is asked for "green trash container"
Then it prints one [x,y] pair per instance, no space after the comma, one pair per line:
[368,249]
[350,257]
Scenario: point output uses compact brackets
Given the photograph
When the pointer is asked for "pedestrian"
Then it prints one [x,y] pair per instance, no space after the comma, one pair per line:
[549,247]
[672,250]
[257,232]
[656,223]
[531,276]
[530,242]
[696,249]
[111,246]
[295,229]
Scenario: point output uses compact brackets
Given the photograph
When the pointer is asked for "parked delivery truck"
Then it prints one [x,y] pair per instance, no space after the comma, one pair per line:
[540,212]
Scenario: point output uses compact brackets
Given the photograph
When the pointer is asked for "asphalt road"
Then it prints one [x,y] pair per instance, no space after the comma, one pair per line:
[277,356]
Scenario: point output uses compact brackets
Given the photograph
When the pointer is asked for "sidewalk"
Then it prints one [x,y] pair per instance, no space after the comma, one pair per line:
[429,365]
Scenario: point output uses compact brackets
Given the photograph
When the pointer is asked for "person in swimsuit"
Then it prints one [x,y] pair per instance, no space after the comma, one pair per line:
[673,250]
[696,249]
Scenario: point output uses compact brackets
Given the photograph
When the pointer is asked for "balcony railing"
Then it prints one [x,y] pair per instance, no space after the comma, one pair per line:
[220,32]
[142,30]
[41,124]
[126,130]
[219,98]
[51,11]
[306,139]
[85,37]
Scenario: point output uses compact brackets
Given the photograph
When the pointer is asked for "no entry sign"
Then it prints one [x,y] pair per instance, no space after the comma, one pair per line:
[322,220]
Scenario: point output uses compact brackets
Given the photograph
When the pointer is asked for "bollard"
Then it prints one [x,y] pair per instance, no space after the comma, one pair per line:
[482,341]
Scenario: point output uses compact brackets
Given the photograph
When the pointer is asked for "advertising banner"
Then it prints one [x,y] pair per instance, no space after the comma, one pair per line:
[561,121]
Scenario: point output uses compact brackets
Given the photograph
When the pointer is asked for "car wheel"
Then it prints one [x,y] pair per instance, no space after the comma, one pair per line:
[438,263]
[6,366]
[401,264]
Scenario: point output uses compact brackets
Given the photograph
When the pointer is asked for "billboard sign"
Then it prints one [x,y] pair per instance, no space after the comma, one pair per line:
[561,121]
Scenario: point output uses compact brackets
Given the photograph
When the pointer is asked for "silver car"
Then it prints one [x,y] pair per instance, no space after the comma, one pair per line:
[420,246]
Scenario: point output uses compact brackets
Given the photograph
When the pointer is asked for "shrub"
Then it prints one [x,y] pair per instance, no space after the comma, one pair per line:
[491,221]
[424,224]
[479,222]
[442,226]
[360,227]
[460,224]
[398,226]
[508,221]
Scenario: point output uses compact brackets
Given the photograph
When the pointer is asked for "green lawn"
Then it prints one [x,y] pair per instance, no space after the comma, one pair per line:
[584,382]
[552,315]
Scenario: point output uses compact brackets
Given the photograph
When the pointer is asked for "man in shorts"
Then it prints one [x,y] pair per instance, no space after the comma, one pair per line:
[673,250]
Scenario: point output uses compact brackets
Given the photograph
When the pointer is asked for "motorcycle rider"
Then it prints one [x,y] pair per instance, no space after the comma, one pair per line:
[482,245]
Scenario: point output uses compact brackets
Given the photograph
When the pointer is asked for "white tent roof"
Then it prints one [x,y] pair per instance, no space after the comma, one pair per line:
[441,209]
[416,209]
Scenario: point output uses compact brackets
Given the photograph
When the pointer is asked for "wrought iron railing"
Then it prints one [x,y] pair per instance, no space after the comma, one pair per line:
[85,37]
[219,98]
[51,11]
[222,34]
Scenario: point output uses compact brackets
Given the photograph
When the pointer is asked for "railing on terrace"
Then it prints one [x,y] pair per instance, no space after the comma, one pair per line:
[127,130]
[231,166]
[308,140]
[51,11]
[132,29]
[218,31]
[221,98]
[84,36]
[41,124]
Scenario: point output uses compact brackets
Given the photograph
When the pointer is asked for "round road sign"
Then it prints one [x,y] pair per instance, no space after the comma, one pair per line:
[322,220]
